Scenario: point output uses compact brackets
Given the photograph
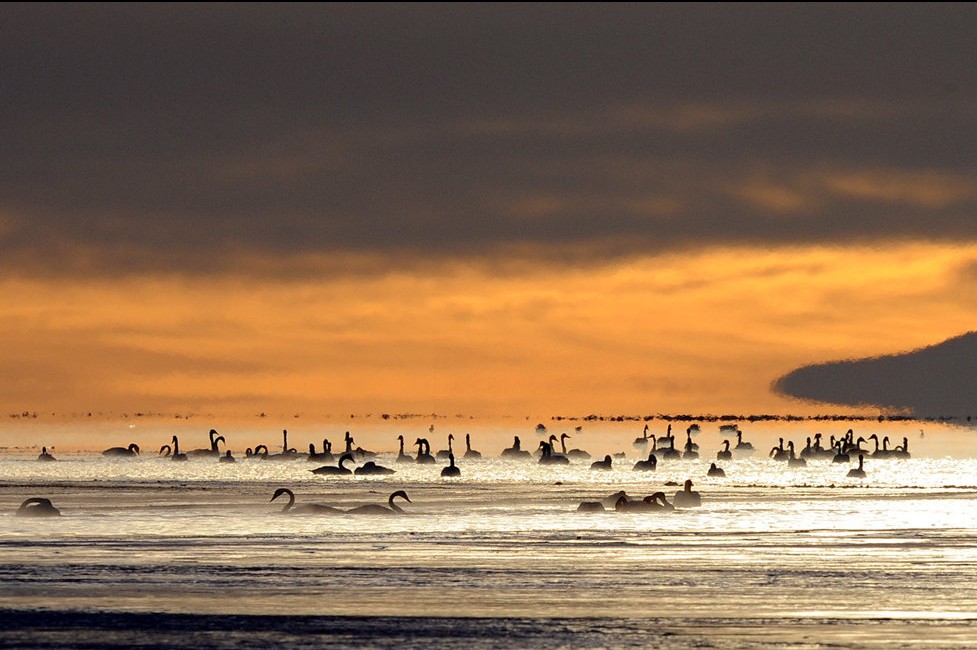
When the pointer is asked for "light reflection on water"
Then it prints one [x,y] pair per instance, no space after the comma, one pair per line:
[505,540]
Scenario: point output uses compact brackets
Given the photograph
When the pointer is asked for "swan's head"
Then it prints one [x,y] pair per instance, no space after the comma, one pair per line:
[281,491]
[402,495]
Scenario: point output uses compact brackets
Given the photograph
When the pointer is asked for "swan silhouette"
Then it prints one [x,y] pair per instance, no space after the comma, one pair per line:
[370,468]
[651,503]
[44,456]
[715,470]
[177,454]
[165,451]
[578,454]
[792,459]
[515,451]
[401,456]
[227,458]
[444,453]
[373,509]
[335,470]
[288,453]
[778,452]
[122,452]
[324,456]
[858,472]
[359,452]
[214,450]
[902,451]
[687,498]
[643,440]
[305,508]
[724,453]
[469,452]
[451,469]
[604,465]
[742,448]
[424,456]
[37,507]
[549,458]
[647,465]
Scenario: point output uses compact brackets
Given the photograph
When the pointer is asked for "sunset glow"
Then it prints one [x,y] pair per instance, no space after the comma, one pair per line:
[703,332]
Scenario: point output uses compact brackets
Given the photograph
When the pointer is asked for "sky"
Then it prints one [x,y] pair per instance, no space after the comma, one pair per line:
[483,209]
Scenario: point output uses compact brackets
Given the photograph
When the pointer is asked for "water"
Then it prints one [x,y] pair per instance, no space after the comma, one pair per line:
[153,553]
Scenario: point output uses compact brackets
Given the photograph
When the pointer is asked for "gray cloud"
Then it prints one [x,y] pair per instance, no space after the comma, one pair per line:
[932,382]
[164,137]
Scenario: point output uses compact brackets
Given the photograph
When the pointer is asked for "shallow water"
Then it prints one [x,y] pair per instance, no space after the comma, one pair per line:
[153,553]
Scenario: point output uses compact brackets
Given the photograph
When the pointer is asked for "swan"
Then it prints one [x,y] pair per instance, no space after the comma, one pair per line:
[370,468]
[623,504]
[451,469]
[45,456]
[647,465]
[261,451]
[323,456]
[578,454]
[691,449]
[288,453]
[715,470]
[335,470]
[549,458]
[227,458]
[858,472]
[659,499]
[424,456]
[883,451]
[37,507]
[401,456]
[670,452]
[687,498]
[469,452]
[689,443]
[177,454]
[373,509]
[841,456]
[742,448]
[444,453]
[643,440]
[650,503]
[305,508]
[724,453]
[515,451]
[359,451]
[778,452]
[165,451]
[604,465]
[903,450]
[214,450]
[131,450]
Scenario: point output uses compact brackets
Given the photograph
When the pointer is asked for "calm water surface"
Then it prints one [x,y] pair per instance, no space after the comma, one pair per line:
[153,553]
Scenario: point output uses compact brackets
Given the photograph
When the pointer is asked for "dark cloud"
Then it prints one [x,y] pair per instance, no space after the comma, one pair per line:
[932,382]
[169,137]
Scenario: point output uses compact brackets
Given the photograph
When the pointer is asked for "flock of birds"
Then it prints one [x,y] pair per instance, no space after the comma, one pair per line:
[845,449]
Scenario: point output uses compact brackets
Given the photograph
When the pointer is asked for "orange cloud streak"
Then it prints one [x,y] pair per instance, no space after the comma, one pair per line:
[684,333]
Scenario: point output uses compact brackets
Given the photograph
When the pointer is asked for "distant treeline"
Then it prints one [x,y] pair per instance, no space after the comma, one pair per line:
[665,417]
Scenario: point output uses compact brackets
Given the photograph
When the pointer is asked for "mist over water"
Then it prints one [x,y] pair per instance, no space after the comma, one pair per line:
[776,555]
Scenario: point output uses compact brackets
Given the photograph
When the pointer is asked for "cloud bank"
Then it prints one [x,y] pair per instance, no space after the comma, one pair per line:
[329,138]
[935,381]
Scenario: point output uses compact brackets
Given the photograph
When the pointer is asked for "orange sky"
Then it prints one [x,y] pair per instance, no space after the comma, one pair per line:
[495,210]
[689,333]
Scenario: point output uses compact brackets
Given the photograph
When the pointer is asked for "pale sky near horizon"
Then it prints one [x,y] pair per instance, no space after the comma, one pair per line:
[486,209]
